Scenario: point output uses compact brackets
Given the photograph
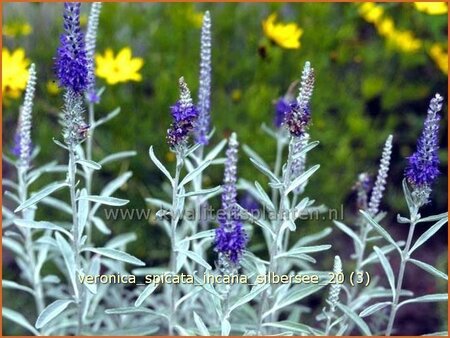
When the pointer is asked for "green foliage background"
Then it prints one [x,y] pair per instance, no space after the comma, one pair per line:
[365,90]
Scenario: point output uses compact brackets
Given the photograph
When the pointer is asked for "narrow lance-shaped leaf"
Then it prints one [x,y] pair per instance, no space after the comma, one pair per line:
[437,297]
[48,190]
[200,325]
[355,318]
[350,233]
[69,260]
[428,234]
[108,117]
[160,165]
[112,201]
[380,229]
[149,289]
[19,319]
[193,174]
[89,164]
[117,156]
[374,308]
[387,269]
[301,179]
[117,255]
[429,268]
[42,225]
[52,311]
[266,171]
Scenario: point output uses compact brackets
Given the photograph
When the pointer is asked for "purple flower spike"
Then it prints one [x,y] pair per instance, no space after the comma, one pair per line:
[71,59]
[423,165]
[230,237]
[298,118]
[204,92]
[184,115]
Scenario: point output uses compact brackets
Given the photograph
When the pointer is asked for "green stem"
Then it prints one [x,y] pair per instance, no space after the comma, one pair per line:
[401,274]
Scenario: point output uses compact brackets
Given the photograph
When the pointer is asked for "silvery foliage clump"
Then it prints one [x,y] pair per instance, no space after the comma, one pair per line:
[375,245]
[67,306]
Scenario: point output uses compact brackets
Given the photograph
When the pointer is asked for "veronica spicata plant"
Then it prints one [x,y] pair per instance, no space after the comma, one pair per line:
[287,183]
[77,305]
[21,242]
[421,172]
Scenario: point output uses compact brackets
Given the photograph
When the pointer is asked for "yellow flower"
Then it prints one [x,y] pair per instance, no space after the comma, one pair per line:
[83,19]
[386,26]
[371,12]
[15,29]
[196,18]
[284,35]
[404,41]
[52,87]
[432,8]
[14,72]
[440,57]
[122,68]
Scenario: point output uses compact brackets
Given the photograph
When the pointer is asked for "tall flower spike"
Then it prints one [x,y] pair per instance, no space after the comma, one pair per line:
[423,165]
[298,118]
[71,59]
[184,115]
[91,39]
[23,137]
[230,239]
[204,92]
[335,289]
[299,164]
[380,183]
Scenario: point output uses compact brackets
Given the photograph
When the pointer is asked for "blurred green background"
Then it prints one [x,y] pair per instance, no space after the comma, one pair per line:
[367,87]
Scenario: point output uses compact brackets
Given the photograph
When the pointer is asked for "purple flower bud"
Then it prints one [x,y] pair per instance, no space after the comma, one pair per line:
[282,107]
[423,165]
[184,115]
[230,239]
[298,118]
[71,59]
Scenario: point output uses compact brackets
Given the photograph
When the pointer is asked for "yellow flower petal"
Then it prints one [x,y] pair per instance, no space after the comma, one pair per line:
[432,8]
[284,35]
[120,68]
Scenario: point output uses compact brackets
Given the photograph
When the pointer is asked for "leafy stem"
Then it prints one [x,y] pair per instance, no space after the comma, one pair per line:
[275,245]
[89,171]
[175,213]
[404,259]
[76,235]
[28,234]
